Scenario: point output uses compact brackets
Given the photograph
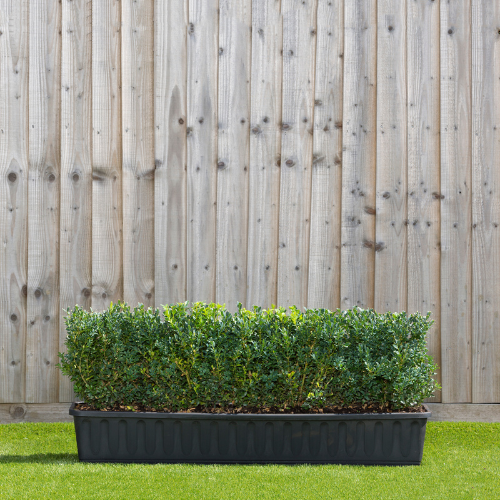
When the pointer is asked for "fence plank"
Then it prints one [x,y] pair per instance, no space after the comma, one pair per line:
[456,201]
[170,151]
[42,377]
[265,153]
[326,197]
[359,154]
[107,262]
[299,46]
[76,167]
[233,150]
[423,176]
[203,48]
[391,285]
[13,193]
[138,151]
[485,202]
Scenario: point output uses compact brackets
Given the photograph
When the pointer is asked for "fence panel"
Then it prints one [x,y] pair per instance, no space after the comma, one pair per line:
[318,153]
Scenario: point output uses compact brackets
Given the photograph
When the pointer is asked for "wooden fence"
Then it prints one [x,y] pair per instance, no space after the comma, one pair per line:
[323,153]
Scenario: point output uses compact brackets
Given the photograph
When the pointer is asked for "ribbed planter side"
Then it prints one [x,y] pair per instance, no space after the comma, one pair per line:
[370,439]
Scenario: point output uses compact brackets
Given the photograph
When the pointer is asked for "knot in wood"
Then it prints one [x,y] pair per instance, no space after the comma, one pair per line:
[12,177]
[289,163]
[38,293]
[17,412]
[221,165]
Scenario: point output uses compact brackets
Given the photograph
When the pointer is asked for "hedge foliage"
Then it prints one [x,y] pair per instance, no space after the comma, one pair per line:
[202,355]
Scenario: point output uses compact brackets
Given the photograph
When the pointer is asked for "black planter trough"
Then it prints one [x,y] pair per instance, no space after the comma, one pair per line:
[205,438]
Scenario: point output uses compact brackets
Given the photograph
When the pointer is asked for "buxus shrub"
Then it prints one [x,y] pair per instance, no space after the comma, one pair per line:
[201,355]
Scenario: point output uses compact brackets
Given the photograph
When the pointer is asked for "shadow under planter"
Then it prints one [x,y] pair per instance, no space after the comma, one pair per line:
[205,438]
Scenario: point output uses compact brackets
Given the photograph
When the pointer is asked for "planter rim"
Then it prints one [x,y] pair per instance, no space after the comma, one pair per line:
[250,416]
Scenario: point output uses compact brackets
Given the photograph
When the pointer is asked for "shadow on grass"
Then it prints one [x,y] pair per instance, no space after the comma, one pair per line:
[40,458]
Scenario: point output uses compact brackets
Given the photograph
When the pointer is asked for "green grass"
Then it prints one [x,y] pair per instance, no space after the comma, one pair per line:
[461,460]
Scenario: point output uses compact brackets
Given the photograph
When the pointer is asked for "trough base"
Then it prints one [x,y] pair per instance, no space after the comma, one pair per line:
[361,439]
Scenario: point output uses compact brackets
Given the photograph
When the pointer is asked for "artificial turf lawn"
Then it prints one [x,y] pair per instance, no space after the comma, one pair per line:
[461,460]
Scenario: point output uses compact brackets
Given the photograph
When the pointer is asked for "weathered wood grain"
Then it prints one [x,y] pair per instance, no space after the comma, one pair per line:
[299,47]
[235,18]
[138,151]
[170,217]
[42,343]
[203,49]
[17,413]
[76,167]
[326,195]
[359,154]
[456,180]
[107,216]
[423,175]
[58,412]
[265,153]
[391,284]
[464,412]
[485,202]
[13,195]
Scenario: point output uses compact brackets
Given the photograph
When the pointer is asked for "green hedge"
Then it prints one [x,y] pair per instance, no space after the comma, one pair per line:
[202,355]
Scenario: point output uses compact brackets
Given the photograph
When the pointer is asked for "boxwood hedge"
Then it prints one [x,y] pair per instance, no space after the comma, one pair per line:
[201,355]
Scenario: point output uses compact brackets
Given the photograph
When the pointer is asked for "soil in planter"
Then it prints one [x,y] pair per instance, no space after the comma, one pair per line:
[354,408]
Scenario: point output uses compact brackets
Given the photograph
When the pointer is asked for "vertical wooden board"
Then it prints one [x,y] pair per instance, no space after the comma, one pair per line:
[326,198]
[13,196]
[456,214]
[485,202]
[299,47]
[203,54]
[265,153]
[391,286]
[107,258]
[76,167]
[42,376]
[138,151]
[423,175]
[170,151]
[359,154]
[235,18]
